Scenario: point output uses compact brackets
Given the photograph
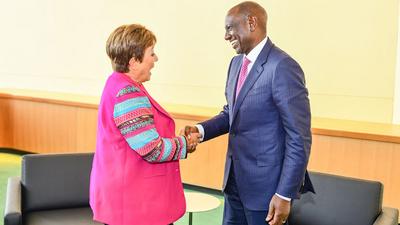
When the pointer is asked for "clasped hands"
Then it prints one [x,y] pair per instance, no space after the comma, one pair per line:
[192,136]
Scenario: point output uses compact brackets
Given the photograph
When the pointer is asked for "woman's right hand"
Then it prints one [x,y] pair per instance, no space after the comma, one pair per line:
[193,139]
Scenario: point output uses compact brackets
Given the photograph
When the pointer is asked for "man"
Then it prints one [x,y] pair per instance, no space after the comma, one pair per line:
[268,118]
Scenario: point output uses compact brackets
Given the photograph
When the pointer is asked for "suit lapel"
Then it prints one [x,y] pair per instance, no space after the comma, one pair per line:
[252,77]
[233,79]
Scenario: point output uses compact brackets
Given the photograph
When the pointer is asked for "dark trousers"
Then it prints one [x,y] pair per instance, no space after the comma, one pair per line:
[234,211]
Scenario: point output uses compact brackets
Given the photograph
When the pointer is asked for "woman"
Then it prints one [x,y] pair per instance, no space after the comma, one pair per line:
[135,178]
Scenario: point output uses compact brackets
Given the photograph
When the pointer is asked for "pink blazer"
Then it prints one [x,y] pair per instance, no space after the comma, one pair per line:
[135,178]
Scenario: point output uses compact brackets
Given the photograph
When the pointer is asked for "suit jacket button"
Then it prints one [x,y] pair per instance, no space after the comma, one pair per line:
[233,134]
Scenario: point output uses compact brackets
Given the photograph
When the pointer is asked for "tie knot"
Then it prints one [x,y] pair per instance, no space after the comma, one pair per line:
[246,62]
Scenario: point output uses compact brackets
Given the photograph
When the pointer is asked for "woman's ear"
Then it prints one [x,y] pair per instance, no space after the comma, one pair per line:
[133,63]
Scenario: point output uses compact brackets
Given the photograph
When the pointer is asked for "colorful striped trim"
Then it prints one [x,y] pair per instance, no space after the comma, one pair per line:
[141,139]
[136,126]
[182,141]
[167,149]
[153,157]
[127,90]
[132,115]
[155,145]
[130,105]
[176,154]
[134,120]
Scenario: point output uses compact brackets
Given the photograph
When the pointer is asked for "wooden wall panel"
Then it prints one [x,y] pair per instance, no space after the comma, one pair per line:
[43,127]
[85,135]
[357,158]
[6,129]
[392,197]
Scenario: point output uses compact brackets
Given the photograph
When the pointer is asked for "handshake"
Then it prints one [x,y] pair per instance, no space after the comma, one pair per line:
[192,136]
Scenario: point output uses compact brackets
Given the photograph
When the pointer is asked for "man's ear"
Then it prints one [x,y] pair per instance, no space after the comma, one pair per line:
[252,23]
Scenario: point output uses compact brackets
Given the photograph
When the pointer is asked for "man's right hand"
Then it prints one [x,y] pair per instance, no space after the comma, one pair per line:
[192,135]
[191,129]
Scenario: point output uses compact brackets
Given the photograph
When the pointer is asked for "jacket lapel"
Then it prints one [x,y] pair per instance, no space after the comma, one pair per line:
[142,88]
[252,77]
[232,82]
[155,104]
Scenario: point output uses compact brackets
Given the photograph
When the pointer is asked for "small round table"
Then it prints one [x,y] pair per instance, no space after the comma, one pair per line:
[199,202]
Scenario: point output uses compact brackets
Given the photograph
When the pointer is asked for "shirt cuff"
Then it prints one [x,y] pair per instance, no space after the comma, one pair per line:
[283,197]
[201,131]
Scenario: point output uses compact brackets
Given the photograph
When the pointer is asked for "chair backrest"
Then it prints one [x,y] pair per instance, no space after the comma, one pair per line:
[53,181]
[338,201]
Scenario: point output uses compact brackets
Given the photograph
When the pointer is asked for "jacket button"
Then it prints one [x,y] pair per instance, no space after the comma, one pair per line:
[233,134]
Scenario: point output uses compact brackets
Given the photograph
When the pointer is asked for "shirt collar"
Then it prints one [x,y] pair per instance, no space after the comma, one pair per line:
[253,54]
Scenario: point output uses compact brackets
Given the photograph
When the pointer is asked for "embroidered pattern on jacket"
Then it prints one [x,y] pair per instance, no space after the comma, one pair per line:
[134,118]
[127,90]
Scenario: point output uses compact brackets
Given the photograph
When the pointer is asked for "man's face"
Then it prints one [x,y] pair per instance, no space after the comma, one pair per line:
[237,32]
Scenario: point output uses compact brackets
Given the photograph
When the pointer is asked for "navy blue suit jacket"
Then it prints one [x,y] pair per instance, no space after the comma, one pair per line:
[269,128]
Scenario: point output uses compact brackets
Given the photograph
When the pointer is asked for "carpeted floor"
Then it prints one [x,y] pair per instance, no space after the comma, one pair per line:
[10,165]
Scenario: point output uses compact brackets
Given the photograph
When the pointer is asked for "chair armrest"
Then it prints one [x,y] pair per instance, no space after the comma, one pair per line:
[12,211]
[388,216]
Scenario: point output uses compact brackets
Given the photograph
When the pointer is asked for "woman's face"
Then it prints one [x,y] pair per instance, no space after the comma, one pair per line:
[141,70]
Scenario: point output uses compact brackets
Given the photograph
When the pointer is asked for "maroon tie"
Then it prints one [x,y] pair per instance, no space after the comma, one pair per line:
[242,75]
